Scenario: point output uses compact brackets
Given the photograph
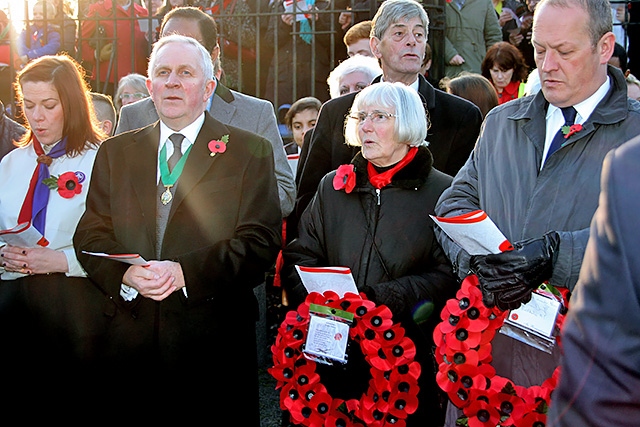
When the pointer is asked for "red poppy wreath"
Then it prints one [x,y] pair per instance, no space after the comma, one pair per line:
[393,387]
[463,340]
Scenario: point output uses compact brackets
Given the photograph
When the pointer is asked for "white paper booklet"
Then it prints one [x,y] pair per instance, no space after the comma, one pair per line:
[127,258]
[23,235]
[474,232]
[320,279]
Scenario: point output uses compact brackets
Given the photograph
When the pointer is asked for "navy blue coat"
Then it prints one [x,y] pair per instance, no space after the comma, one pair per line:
[600,370]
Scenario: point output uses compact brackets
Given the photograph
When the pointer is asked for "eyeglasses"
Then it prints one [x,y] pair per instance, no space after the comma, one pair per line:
[138,95]
[377,117]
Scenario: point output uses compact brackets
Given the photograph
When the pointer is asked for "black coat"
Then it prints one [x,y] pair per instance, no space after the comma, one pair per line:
[454,127]
[387,241]
[224,229]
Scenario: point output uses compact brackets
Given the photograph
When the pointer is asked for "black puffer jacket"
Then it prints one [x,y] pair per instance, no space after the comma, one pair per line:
[386,238]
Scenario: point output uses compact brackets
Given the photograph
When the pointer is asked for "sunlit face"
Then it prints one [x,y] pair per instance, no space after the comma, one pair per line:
[153,6]
[500,78]
[38,15]
[360,47]
[44,112]
[301,123]
[130,94]
[178,86]
[401,50]
[379,144]
[353,82]
[570,68]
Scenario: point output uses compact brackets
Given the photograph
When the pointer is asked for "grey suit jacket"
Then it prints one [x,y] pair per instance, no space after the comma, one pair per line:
[236,109]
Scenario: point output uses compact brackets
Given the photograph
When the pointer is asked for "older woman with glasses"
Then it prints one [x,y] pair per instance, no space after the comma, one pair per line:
[131,88]
[373,217]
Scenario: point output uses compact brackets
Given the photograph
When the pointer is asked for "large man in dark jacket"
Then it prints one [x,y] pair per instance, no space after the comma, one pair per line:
[399,34]
[599,384]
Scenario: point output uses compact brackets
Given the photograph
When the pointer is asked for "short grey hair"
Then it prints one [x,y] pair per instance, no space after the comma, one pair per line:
[393,11]
[599,13]
[411,120]
[357,63]
[205,57]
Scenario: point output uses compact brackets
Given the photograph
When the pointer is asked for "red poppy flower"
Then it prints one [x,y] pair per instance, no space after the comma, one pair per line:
[403,404]
[551,382]
[372,405]
[394,374]
[482,414]
[463,339]
[339,415]
[345,178]
[398,354]
[533,419]
[536,394]
[68,185]
[218,145]
[570,130]
[465,372]
[409,372]
[509,405]
[320,405]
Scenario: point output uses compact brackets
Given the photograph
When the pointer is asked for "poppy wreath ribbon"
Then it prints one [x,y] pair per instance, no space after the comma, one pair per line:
[393,387]
[463,352]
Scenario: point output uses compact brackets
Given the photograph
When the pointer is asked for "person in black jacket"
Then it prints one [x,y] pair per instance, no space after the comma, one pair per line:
[399,34]
[10,132]
[378,226]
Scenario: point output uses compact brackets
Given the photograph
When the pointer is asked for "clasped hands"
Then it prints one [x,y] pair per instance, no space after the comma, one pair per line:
[157,280]
[38,260]
[507,279]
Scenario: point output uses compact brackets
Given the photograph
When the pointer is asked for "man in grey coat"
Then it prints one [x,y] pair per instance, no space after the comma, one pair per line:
[230,107]
[543,206]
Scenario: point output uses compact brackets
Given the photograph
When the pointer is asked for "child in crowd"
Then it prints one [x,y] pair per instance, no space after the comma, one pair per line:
[40,37]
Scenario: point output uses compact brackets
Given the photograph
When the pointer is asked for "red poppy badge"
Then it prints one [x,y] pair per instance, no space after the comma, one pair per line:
[218,145]
[68,184]
[570,130]
[345,178]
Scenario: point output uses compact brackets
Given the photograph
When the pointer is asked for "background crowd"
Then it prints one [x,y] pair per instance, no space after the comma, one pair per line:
[416,113]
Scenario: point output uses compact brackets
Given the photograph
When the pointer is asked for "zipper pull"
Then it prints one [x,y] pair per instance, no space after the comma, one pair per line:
[378,195]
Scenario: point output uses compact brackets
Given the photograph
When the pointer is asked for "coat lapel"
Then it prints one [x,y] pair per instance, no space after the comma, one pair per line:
[141,158]
[199,161]
[222,107]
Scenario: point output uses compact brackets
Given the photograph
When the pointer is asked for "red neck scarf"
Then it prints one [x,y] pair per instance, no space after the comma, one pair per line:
[383,179]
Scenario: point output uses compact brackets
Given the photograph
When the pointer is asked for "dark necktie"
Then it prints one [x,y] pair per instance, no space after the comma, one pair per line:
[569,114]
[176,140]
[163,210]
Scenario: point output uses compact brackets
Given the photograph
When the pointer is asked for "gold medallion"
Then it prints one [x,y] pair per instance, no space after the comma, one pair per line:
[166,196]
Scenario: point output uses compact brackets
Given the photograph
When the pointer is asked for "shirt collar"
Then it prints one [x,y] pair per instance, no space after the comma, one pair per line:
[415,85]
[190,134]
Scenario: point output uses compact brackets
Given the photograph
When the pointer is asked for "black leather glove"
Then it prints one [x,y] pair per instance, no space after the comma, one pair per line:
[508,278]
